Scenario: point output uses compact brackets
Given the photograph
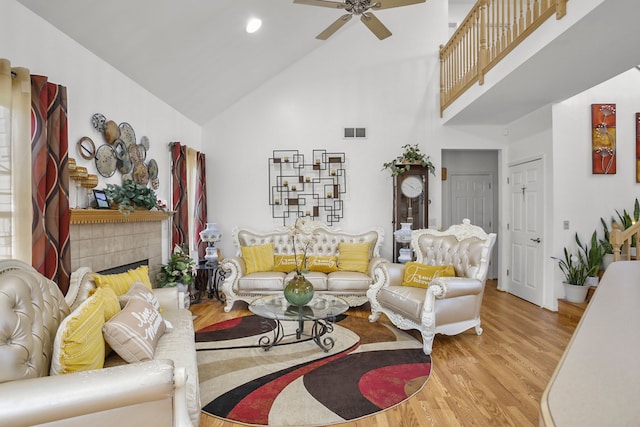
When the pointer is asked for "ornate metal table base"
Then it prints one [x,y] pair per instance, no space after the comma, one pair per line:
[320,328]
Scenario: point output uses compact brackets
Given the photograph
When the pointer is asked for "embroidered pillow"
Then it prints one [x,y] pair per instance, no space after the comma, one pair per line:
[121,282]
[258,258]
[420,275]
[323,264]
[78,345]
[140,291]
[353,257]
[134,332]
[284,263]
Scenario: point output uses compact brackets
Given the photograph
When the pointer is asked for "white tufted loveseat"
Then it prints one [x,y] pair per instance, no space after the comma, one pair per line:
[450,305]
[146,393]
[349,285]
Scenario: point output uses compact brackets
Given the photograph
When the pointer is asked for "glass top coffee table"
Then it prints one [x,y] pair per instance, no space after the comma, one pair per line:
[321,310]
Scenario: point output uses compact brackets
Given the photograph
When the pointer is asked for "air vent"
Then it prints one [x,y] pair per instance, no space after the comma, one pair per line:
[355,133]
[453,25]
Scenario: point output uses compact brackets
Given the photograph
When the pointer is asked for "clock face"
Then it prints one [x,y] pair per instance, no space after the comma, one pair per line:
[411,186]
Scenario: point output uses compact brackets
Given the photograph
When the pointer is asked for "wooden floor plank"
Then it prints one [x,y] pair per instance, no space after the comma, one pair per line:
[495,379]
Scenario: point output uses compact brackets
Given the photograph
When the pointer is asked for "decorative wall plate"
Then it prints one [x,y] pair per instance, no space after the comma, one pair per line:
[155,183]
[135,154]
[98,121]
[111,131]
[141,174]
[106,160]
[120,149]
[144,141]
[124,165]
[152,166]
[127,134]
[86,148]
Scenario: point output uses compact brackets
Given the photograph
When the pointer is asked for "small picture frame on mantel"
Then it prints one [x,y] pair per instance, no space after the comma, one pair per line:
[102,202]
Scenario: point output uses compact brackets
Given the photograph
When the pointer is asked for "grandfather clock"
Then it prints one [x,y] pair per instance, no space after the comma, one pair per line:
[410,202]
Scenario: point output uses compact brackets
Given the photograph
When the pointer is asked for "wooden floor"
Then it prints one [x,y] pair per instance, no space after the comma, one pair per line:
[495,379]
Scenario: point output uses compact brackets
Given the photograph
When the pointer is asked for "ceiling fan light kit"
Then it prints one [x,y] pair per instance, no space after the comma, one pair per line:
[358,7]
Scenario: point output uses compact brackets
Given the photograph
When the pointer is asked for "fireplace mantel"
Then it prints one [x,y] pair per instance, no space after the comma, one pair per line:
[102,216]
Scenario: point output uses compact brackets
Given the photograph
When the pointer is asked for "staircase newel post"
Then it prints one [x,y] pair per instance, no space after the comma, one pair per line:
[561,8]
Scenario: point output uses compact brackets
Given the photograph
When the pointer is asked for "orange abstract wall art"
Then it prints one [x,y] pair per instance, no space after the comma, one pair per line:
[603,138]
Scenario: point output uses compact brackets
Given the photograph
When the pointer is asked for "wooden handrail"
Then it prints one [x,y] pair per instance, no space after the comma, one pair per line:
[622,239]
[491,30]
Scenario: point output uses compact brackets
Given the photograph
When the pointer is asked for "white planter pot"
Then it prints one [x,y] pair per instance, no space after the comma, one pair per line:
[606,260]
[575,293]
[592,281]
[184,289]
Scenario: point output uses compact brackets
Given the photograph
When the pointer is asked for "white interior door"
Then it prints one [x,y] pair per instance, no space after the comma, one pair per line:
[525,231]
[472,197]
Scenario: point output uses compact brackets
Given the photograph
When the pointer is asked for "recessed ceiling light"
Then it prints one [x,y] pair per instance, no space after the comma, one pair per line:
[253,25]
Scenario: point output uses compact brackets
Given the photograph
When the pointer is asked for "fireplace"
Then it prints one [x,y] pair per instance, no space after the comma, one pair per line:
[104,240]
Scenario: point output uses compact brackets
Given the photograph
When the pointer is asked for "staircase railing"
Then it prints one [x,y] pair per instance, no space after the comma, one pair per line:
[621,240]
[489,32]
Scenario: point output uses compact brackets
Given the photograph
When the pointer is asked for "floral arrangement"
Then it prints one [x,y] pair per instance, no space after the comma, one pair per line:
[574,268]
[302,234]
[131,195]
[181,268]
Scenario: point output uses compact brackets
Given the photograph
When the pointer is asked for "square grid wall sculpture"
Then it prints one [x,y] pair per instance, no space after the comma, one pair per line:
[314,188]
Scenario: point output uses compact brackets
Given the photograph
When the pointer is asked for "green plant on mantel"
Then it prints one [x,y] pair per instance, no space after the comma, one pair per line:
[411,156]
[131,195]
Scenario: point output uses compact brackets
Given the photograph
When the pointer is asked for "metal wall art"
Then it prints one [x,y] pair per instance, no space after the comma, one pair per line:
[122,153]
[313,187]
[603,138]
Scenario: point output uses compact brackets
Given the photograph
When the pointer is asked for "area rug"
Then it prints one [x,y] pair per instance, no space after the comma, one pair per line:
[371,367]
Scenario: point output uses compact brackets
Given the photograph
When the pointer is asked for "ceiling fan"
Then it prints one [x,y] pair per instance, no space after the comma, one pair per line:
[358,7]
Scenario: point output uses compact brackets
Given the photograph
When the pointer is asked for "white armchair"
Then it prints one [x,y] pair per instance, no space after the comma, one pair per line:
[450,305]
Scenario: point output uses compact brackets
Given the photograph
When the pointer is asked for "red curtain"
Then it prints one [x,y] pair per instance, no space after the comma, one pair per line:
[50,192]
[201,202]
[179,203]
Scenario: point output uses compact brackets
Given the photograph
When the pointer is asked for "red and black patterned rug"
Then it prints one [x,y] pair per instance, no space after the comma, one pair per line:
[370,368]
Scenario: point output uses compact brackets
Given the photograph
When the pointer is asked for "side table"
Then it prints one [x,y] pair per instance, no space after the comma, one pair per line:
[213,275]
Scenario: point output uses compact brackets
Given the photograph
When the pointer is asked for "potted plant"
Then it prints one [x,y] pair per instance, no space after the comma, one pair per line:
[606,246]
[593,257]
[131,195]
[180,271]
[626,221]
[411,156]
[575,273]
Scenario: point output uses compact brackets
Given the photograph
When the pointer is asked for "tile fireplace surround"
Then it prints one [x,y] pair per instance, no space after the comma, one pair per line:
[103,239]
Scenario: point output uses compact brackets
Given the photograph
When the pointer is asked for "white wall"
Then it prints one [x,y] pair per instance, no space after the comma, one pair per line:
[390,87]
[579,196]
[93,86]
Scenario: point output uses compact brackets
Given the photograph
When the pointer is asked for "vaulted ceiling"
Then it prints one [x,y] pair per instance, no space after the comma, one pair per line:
[195,54]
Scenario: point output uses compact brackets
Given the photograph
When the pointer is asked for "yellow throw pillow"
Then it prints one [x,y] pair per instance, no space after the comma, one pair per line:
[353,257]
[110,301]
[323,264]
[284,263]
[420,275]
[79,345]
[258,258]
[120,283]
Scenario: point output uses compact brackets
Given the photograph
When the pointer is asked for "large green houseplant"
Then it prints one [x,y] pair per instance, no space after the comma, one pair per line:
[131,195]
[411,156]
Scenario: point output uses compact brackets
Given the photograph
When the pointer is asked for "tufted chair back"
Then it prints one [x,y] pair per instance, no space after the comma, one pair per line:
[326,244]
[464,246]
[31,309]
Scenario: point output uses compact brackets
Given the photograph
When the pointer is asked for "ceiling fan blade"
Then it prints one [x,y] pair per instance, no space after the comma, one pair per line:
[337,24]
[374,24]
[388,4]
[321,3]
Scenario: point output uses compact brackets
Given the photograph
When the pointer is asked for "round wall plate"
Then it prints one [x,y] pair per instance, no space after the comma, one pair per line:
[106,161]
[86,148]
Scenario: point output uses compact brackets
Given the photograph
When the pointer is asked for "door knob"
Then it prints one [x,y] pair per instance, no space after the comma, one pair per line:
[537,240]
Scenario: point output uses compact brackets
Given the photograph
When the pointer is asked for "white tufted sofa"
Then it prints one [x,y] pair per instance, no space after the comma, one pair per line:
[148,393]
[450,305]
[349,285]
